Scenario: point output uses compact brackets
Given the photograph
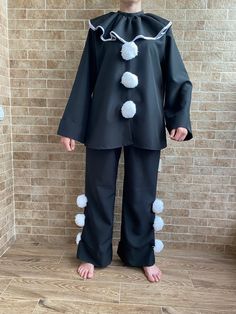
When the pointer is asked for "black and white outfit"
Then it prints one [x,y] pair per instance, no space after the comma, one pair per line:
[130,85]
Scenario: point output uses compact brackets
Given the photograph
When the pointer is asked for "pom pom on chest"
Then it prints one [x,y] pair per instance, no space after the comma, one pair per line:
[129,80]
[128,109]
[129,50]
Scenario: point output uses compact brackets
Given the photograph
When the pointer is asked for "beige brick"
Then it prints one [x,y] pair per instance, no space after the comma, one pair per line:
[232,14]
[62,4]
[204,35]
[218,4]
[206,15]
[17,34]
[45,14]
[57,74]
[45,34]
[19,24]
[28,63]
[82,14]
[65,25]
[39,4]
[16,13]
[185,4]
[28,44]
[45,54]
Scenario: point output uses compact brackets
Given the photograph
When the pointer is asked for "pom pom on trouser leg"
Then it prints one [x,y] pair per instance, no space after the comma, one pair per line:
[80,220]
[158,206]
[158,223]
[159,245]
[81,200]
[78,238]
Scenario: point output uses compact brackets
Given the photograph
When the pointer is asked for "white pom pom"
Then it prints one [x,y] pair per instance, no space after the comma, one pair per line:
[78,238]
[157,206]
[80,220]
[129,80]
[159,245]
[129,50]
[128,109]
[158,223]
[81,200]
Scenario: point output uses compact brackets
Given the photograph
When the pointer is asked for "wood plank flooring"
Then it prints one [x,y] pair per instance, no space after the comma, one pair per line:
[42,278]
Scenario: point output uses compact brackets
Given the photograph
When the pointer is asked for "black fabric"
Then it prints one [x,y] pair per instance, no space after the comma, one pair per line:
[163,95]
[139,192]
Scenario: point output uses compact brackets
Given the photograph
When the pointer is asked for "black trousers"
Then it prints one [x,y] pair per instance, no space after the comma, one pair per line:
[137,237]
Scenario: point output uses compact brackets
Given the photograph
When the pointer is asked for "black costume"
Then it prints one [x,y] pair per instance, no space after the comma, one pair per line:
[131,83]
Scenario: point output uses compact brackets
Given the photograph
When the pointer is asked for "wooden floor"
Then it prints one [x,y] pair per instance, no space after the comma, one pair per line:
[36,278]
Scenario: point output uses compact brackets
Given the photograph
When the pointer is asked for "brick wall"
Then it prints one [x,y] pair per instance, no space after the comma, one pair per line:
[6,169]
[197,181]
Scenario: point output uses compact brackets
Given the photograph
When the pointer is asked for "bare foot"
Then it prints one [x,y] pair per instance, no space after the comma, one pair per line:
[152,273]
[86,270]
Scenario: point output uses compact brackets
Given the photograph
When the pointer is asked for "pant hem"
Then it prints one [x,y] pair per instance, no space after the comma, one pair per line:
[137,257]
[89,255]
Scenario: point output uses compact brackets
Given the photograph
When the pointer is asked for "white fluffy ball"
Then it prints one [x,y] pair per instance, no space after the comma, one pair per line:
[129,50]
[129,80]
[78,238]
[128,109]
[81,200]
[157,206]
[159,245]
[158,223]
[80,220]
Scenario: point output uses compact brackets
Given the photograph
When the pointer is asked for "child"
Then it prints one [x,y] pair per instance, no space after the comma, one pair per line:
[131,83]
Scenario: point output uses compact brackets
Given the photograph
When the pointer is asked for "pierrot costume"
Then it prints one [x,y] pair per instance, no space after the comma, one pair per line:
[131,85]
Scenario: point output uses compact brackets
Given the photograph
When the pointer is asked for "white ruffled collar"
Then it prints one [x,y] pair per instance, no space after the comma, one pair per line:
[128,27]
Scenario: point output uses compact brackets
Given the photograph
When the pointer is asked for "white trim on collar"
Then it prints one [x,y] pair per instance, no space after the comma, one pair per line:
[114,35]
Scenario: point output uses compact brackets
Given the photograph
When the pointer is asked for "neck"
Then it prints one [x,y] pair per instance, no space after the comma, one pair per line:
[130,7]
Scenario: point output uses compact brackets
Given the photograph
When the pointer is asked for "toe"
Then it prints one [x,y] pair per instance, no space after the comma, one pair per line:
[90,274]
[150,278]
[80,270]
[85,273]
[82,273]
[158,277]
[154,277]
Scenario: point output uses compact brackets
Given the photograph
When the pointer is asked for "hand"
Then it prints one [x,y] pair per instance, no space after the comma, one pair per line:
[68,143]
[178,134]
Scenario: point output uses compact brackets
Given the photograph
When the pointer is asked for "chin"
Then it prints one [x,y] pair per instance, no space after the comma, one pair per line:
[129,1]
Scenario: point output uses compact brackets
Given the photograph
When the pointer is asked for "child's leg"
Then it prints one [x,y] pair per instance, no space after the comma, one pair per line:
[95,245]
[139,192]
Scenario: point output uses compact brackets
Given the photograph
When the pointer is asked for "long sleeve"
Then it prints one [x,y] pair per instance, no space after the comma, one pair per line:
[74,120]
[178,88]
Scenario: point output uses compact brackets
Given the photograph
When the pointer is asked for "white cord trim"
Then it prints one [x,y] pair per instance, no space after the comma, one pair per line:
[114,34]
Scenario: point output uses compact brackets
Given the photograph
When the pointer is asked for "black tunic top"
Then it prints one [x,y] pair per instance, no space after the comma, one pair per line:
[131,83]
